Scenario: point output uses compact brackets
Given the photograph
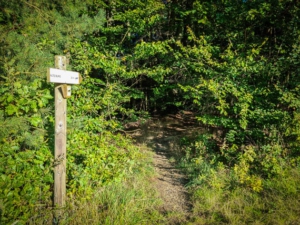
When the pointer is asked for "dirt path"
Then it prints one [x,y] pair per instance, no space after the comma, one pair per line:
[163,135]
[170,186]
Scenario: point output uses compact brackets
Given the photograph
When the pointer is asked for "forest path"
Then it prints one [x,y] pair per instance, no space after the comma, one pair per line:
[163,135]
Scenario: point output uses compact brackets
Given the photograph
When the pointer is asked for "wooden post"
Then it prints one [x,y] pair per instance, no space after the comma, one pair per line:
[61,77]
[60,139]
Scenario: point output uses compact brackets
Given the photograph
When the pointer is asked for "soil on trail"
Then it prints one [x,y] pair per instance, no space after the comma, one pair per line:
[163,136]
[170,184]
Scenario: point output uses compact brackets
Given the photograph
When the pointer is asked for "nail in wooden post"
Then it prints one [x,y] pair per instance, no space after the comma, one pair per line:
[60,139]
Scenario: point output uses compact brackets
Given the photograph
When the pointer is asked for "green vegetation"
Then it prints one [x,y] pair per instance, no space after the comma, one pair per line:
[235,64]
[234,195]
[131,200]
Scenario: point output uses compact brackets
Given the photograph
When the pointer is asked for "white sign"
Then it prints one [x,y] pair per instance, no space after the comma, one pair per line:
[63,76]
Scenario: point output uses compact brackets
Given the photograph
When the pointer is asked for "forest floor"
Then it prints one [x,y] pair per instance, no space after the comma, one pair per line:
[163,135]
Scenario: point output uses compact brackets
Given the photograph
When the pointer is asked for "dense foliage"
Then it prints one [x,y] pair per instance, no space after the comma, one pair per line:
[234,63]
[32,33]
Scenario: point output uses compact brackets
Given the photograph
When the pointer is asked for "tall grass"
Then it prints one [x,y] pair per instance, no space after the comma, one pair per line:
[218,199]
[132,200]
[260,185]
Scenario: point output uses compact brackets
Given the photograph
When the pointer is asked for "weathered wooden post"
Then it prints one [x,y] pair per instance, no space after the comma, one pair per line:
[60,151]
[62,91]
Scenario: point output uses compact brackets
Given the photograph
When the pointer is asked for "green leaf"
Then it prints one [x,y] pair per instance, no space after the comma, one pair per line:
[11,109]
[17,85]
[35,121]
[9,99]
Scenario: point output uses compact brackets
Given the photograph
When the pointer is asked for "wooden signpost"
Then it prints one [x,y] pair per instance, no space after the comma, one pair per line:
[63,76]
[62,91]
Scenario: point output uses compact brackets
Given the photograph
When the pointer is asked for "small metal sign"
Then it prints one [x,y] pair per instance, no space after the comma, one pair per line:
[63,76]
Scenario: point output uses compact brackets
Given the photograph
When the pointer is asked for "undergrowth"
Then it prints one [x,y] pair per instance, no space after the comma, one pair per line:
[107,183]
[130,200]
[277,204]
[235,193]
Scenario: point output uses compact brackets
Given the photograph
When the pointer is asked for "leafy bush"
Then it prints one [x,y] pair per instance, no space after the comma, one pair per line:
[26,181]
[25,156]
[257,187]
[276,204]
[95,160]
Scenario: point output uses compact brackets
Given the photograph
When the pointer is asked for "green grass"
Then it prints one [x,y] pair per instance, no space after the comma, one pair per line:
[277,204]
[217,196]
[133,200]
[260,186]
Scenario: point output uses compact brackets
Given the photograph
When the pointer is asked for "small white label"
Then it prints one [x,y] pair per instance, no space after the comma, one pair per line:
[63,76]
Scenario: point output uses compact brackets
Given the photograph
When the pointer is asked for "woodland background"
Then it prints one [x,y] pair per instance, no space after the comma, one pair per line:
[234,63]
